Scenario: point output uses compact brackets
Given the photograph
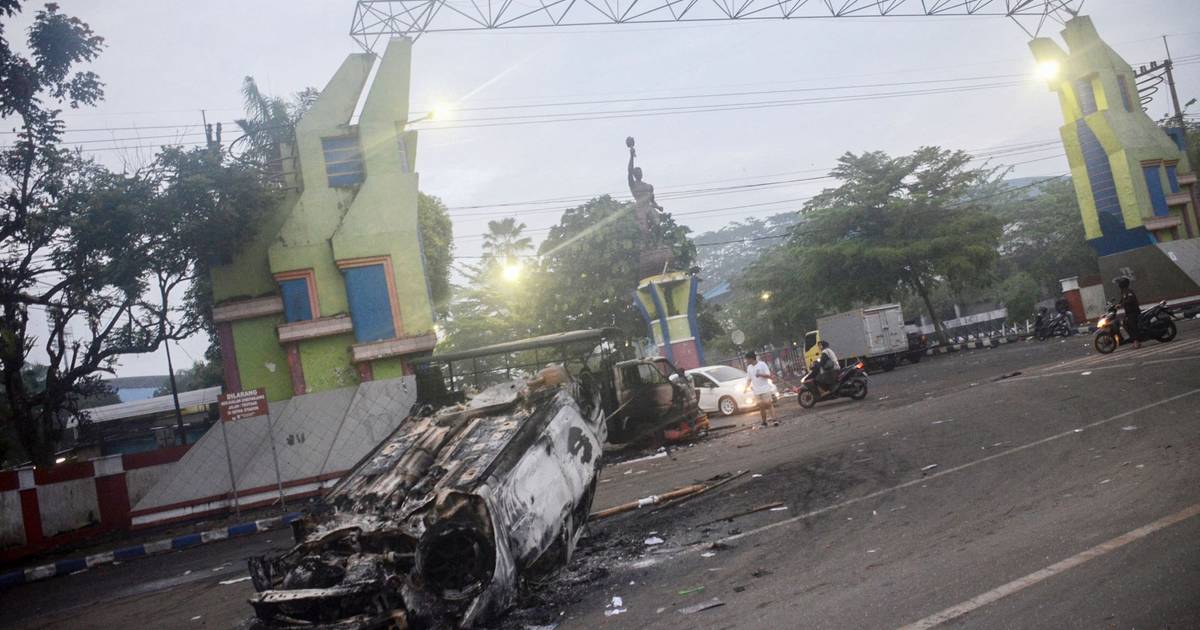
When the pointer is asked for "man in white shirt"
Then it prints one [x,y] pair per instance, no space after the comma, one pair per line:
[758,377]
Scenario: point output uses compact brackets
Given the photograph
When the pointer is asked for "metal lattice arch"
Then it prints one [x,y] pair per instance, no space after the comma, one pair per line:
[380,20]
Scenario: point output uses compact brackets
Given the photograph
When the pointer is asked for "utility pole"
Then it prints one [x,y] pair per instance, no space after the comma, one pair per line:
[1171,85]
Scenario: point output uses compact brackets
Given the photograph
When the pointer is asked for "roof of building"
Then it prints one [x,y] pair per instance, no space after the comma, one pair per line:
[137,382]
[150,406]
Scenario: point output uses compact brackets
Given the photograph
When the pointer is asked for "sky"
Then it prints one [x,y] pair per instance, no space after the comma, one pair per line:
[166,60]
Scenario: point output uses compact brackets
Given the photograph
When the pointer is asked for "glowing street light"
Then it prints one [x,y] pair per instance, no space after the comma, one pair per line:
[1048,70]
[766,296]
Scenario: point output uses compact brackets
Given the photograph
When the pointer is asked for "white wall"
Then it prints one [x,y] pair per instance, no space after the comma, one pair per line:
[139,480]
[12,522]
[68,506]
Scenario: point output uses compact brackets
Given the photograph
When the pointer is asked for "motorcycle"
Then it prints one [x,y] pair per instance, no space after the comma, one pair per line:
[851,383]
[1158,322]
[1058,324]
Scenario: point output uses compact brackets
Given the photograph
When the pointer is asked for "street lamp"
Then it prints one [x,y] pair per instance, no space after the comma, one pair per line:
[1048,70]
[439,111]
[766,296]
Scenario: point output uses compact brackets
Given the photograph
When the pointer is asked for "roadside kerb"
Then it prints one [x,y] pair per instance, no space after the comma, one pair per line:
[990,342]
[186,541]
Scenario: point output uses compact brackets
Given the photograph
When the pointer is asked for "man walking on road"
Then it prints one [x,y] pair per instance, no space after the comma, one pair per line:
[758,376]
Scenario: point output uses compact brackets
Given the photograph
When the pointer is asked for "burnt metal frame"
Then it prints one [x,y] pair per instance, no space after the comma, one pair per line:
[377,21]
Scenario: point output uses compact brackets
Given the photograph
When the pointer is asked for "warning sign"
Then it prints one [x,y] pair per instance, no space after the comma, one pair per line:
[242,405]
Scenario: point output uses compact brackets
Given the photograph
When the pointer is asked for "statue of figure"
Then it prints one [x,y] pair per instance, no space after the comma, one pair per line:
[643,192]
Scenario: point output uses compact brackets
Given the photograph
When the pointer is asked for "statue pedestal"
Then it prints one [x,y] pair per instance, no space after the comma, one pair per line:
[668,303]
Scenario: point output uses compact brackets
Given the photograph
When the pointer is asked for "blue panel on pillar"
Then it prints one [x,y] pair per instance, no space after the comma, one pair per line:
[1154,184]
[296,305]
[370,303]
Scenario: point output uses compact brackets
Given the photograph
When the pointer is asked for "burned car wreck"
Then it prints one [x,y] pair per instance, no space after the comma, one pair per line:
[433,528]
[468,497]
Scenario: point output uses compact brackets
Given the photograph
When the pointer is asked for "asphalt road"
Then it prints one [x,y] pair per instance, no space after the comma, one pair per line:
[1066,495]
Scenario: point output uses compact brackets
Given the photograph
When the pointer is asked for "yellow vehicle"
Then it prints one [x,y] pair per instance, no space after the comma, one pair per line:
[876,336]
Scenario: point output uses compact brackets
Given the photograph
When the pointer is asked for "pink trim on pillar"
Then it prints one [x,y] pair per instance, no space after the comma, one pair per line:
[685,355]
[364,371]
[296,369]
[233,376]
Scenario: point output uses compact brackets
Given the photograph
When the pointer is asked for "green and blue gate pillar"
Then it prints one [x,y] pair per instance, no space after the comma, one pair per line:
[1133,180]
[668,303]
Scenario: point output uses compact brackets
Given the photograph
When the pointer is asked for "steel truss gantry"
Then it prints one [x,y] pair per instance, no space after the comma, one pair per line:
[377,21]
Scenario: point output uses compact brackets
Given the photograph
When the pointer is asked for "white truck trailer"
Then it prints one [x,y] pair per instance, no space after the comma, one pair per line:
[873,335]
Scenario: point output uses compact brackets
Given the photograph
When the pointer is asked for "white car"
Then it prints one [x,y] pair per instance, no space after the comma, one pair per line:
[723,388]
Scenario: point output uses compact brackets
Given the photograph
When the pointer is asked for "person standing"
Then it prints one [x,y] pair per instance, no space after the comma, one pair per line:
[1133,311]
[758,376]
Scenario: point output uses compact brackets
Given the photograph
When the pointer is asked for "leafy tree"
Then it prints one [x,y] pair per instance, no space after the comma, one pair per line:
[911,222]
[1043,237]
[201,375]
[589,266]
[1019,293]
[96,255]
[503,241]
[269,127]
[437,242]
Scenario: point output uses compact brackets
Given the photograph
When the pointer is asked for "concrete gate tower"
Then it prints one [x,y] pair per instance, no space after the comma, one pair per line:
[1136,189]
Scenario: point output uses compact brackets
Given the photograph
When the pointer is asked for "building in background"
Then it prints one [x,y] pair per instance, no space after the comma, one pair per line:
[1136,189]
[332,292]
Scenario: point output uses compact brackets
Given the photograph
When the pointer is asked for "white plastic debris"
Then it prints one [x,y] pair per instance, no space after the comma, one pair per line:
[707,554]
[196,618]
[1088,373]
[779,509]
[650,500]
[654,540]
[235,580]
[755,476]
[615,607]
[1129,428]
[1105,481]
[929,467]
[872,550]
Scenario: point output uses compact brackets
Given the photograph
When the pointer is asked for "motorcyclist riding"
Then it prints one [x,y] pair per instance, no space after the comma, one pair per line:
[825,368]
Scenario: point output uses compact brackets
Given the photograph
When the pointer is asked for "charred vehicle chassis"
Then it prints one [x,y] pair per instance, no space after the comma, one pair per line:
[474,492]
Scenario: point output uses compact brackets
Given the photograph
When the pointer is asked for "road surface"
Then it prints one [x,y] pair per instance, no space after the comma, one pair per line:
[1064,495]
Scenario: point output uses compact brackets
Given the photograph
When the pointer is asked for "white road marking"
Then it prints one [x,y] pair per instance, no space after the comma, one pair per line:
[1022,583]
[1125,356]
[1076,372]
[948,471]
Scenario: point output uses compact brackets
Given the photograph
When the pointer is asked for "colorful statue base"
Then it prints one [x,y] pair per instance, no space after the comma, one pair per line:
[668,303]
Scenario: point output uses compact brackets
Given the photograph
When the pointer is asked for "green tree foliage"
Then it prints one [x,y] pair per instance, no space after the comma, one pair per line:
[491,306]
[437,243]
[590,266]
[1019,293]
[1043,237]
[95,255]
[201,375]
[895,223]
[504,242]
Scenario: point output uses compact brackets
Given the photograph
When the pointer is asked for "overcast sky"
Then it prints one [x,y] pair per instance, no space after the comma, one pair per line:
[165,60]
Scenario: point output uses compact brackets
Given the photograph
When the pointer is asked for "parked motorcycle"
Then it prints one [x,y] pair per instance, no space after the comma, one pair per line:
[851,383]
[1058,324]
[1157,322]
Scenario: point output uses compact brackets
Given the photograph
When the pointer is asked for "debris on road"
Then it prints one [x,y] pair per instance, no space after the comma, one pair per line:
[761,508]
[615,607]
[234,580]
[1129,428]
[653,540]
[1105,481]
[668,499]
[1088,373]
[929,467]
[1009,375]
[712,603]
[779,509]
[708,554]
[689,591]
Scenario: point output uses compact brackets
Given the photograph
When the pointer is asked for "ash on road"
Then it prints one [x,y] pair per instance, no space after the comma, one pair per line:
[959,493]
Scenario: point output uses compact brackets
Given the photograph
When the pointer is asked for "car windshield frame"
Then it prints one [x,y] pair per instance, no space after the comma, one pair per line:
[724,373]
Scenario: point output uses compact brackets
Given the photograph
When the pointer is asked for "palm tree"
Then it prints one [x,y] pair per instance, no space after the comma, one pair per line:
[270,124]
[503,241]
